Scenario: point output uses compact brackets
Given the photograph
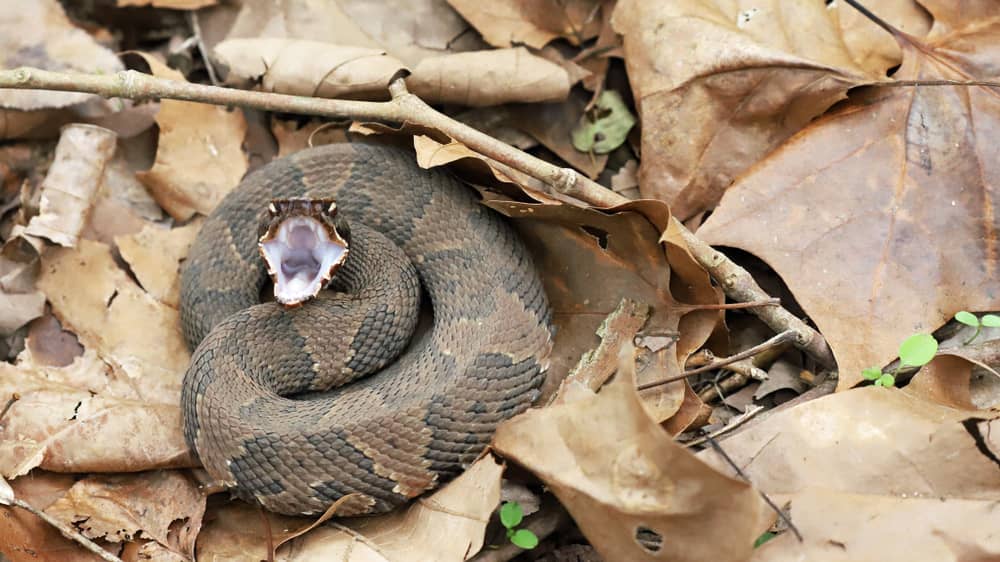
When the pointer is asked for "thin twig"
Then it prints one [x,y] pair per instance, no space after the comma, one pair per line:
[202,49]
[787,336]
[406,107]
[875,19]
[66,530]
[781,514]
[739,420]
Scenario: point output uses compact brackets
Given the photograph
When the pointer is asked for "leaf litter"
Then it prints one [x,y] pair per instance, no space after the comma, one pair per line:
[879,224]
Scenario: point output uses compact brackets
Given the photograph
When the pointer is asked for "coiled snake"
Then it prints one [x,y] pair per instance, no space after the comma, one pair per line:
[402,431]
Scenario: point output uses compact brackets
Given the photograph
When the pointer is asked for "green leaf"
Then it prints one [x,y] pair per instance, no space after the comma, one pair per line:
[768,535]
[524,539]
[967,318]
[872,373]
[918,350]
[990,321]
[886,380]
[511,514]
[605,126]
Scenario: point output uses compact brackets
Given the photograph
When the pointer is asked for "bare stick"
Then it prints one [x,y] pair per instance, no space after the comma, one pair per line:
[406,107]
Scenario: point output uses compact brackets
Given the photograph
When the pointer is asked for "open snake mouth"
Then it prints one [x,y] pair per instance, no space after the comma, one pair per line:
[301,248]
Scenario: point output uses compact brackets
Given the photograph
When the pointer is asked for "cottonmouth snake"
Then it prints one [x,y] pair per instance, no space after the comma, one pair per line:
[254,400]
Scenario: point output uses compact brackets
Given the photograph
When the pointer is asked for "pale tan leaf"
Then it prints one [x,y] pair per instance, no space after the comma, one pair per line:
[169,4]
[38,34]
[72,182]
[869,440]
[839,527]
[446,526]
[484,78]
[154,256]
[17,309]
[505,23]
[199,157]
[634,492]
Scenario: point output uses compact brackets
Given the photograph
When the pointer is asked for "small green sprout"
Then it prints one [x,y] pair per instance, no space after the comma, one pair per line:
[511,516]
[768,535]
[970,319]
[915,351]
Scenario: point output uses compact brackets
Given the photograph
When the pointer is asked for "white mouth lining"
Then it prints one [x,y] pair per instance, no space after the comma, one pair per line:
[301,286]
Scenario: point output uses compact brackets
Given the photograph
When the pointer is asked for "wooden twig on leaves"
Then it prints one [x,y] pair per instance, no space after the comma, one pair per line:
[405,107]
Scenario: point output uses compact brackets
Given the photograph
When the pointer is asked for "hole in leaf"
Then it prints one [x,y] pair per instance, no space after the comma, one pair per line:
[648,539]
[600,235]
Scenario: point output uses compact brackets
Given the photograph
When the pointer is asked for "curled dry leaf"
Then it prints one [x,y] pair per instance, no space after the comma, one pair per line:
[635,494]
[72,182]
[308,68]
[484,78]
[154,255]
[199,157]
[839,527]
[38,34]
[446,526]
[505,23]
[719,87]
[81,418]
[16,310]
[892,229]
[870,440]
[162,505]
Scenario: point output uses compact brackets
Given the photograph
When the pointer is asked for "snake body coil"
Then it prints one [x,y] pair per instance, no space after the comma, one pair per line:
[255,400]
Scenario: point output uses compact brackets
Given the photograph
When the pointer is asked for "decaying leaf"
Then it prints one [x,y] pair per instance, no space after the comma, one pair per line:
[870,440]
[199,157]
[46,39]
[881,216]
[635,494]
[162,505]
[505,23]
[719,86]
[446,526]
[309,68]
[82,418]
[839,527]
[484,78]
[552,125]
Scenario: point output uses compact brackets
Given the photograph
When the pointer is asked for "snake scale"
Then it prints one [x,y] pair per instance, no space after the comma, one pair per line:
[261,403]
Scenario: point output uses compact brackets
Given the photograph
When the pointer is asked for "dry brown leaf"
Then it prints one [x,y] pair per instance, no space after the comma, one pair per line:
[870,46]
[880,217]
[235,530]
[137,335]
[27,538]
[16,310]
[122,206]
[50,345]
[410,30]
[82,418]
[551,124]
[505,23]
[38,34]
[154,255]
[635,494]
[169,4]
[484,78]
[718,87]
[71,184]
[162,505]
[446,526]
[292,137]
[308,68]
[870,440]
[199,157]
[839,527]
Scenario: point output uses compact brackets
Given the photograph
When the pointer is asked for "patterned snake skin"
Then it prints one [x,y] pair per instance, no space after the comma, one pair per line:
[404,430]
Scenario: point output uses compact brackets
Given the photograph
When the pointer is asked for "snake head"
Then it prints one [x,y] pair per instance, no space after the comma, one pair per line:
[303,243]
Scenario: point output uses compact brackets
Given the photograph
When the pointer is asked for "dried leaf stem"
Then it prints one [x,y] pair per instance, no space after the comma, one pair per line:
[405,107]
[63,528]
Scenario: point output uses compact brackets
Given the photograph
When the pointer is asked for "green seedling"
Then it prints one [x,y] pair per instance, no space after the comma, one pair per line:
[605,126]
[970,319]
[511,516]
[768,535]
[915,351]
